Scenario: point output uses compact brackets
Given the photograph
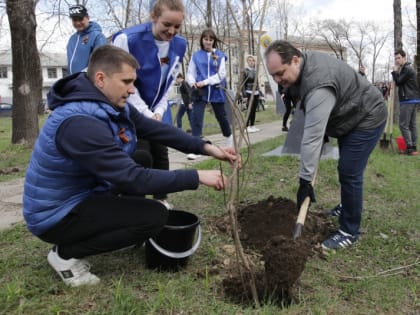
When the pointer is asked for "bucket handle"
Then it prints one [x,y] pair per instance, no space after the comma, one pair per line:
[178,254]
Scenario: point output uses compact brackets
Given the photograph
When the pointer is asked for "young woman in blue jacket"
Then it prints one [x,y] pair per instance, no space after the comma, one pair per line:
[159,51]
[207,76]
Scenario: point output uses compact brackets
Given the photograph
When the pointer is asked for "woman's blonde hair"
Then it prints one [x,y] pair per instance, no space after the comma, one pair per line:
[172,5]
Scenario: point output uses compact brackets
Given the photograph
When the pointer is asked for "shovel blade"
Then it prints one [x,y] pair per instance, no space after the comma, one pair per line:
[298,230]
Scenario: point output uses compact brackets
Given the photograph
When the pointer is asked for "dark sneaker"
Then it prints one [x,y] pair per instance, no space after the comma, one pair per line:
[339,240]
[412,151]
[74,272]
[336,211]
[284,128]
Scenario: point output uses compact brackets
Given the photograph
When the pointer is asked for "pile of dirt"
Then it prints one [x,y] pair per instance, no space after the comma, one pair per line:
[266,232]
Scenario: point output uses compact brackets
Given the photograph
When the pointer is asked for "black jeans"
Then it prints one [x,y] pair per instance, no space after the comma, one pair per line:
[288,105]
[253,110]
[106,222]
[160,158]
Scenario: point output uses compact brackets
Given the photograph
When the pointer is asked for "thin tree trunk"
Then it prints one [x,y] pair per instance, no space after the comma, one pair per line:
[397,45]
[418,42]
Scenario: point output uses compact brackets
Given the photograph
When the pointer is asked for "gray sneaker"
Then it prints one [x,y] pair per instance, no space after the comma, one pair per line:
[74,272]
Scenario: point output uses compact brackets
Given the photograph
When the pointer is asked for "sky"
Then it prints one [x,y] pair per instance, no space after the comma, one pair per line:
[374,10]
[368,10]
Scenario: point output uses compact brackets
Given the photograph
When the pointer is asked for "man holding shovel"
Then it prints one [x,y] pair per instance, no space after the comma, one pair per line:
[338,103]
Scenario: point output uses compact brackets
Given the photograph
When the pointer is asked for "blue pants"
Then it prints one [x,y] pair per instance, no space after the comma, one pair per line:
[181,111]
[197,116]
[354,149]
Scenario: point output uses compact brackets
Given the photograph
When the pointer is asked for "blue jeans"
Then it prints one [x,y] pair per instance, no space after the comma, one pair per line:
[181,111]
[197,116]
[354,149]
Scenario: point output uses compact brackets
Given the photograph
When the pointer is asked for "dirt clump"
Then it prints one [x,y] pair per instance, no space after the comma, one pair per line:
[266,232]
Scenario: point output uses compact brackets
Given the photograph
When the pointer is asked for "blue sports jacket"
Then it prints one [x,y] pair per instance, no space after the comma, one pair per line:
[81,45]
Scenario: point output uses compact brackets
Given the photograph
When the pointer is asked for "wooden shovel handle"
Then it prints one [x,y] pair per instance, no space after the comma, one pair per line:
[303,210]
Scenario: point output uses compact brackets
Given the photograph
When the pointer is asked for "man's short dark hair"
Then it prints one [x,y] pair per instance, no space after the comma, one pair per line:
[109,59]
[284,49]
[400,52]
[78,11]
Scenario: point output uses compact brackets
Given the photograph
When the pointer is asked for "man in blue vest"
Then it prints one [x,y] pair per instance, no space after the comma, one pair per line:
[83,191]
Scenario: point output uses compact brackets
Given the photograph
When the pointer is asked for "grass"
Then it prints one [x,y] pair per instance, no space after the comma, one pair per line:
[15,158]
[379,275]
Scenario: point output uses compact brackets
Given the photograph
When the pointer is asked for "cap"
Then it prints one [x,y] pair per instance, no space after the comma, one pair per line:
[78,11]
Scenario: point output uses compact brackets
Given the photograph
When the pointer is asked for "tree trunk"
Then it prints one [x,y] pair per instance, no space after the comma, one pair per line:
[397,25]
[26,68]
[397,45]
[209,19]
[418,42]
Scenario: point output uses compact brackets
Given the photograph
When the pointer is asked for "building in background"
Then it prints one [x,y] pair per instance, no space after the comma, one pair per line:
[53,68]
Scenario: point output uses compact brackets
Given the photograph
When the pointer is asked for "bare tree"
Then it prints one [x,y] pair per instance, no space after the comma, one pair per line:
[377,39]
[355,36]
[27,77]
[333,33]
[282,11]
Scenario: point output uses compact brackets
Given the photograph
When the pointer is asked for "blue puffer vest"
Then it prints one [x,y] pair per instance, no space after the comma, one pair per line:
[44,184]
[206,67]
[141,45]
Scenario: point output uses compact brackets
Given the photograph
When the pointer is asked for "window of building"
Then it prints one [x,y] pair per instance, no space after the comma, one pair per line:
[3,72]
[64,71]
[52,73]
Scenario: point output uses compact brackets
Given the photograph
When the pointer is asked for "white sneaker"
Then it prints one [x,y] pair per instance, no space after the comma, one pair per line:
[165,202]
[193,156]
[229,141]
[74,272]
[252,129]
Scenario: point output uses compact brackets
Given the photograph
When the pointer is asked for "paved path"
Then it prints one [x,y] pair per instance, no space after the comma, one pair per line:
[11,191]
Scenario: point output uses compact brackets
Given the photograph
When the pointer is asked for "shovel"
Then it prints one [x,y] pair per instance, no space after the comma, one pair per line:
[303,210]
[384,142]
[301,217]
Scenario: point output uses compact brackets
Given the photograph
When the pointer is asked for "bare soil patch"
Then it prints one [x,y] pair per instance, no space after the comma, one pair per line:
[266,232]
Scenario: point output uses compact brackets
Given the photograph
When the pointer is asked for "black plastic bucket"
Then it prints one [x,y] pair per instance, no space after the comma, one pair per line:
[173,246]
